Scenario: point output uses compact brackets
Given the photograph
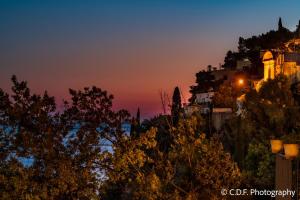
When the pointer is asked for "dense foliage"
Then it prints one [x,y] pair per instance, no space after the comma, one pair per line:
[271,112]
[194,167]
[82,152]
[63,150]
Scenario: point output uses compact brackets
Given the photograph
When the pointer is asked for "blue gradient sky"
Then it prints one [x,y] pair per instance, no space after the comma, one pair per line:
[133,49]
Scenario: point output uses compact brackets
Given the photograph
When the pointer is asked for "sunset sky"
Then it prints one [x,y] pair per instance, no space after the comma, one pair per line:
[132,48]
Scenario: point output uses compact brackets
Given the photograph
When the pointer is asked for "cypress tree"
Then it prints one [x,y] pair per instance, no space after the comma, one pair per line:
[280,27]
[135,124]
[298,30]
[138,116]
[176,105]
[133,127]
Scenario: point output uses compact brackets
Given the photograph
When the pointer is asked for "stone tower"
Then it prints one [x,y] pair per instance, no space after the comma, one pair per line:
[269,66]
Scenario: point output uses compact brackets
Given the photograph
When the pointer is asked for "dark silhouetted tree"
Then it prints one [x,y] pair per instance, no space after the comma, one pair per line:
[205,81]
[242,47]
[280,27]
[298,30]
[209,68]
[136,125]
[65,148]
[176,105]
[138,116]
[230,60]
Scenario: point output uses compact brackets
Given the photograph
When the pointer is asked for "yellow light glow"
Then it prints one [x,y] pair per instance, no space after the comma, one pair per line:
[241,81]
[291,150]
[276,146]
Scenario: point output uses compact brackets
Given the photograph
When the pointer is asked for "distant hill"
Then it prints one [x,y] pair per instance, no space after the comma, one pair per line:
[249,48]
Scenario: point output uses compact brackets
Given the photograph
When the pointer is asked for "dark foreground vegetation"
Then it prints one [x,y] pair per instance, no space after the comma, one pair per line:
[167,157]
[82,152]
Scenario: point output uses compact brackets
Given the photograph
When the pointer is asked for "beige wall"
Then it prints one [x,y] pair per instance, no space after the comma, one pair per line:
[269,70]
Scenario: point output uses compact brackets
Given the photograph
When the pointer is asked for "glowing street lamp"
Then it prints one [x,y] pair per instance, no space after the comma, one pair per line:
[241,81]
[291,150]
[284,167]
[276,146]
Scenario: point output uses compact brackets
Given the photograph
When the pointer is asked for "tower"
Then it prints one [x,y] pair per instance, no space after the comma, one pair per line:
[269,66]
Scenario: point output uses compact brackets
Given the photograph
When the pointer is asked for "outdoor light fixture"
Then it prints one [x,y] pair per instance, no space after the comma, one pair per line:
[241,81]
[276,146]
[286,154]
[291,150]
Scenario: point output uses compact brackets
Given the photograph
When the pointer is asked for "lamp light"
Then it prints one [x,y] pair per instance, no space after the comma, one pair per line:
[291,150]
[241,81]
[276,146]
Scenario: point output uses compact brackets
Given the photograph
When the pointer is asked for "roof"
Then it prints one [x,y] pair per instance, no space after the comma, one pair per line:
[292,57]
[267,56]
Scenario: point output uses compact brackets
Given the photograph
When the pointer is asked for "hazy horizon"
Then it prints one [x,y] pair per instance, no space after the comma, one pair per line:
[132,49]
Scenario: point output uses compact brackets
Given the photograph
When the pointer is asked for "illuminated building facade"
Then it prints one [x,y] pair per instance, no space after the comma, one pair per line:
[281,62]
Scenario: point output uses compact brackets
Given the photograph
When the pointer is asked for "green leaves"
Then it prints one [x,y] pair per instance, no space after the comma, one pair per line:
[69,161]
[270,112]
[63,167]
[193,167]
[260,165]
